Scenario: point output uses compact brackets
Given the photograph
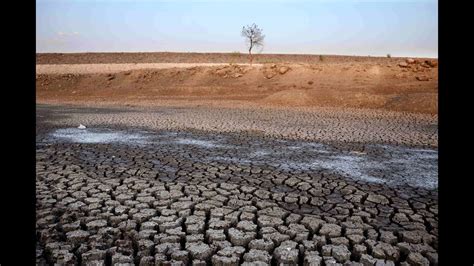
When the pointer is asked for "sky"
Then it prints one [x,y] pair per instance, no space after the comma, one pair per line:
[336,27]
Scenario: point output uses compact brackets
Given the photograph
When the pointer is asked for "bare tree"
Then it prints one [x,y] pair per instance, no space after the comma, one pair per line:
[254,37]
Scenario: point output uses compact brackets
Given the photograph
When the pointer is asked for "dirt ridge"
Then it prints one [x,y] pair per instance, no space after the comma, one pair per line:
[378,86]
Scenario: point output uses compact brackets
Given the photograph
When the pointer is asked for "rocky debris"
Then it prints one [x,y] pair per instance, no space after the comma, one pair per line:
[403,64]
[431,63]
[269,75]
[417,65]
[231,71]
[422,78]
[269,71]
[283,69]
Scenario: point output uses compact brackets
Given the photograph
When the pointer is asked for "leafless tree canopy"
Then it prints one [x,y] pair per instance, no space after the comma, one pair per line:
[254,37]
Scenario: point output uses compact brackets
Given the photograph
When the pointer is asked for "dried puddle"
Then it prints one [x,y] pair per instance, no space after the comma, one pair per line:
[390,165]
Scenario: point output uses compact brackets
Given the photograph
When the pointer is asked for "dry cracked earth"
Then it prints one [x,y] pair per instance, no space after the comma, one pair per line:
[138,187]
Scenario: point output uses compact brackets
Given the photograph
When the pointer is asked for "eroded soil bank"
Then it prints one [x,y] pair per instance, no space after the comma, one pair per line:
[379,83]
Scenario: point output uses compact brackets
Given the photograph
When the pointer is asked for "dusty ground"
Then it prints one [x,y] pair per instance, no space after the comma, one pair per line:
[164,57]
[149,186]
[313,124]
[290,162]
[115,68]
[379,83]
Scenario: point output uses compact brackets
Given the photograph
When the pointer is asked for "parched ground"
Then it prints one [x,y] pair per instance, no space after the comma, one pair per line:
[230,186]
[202,159]
[170,57]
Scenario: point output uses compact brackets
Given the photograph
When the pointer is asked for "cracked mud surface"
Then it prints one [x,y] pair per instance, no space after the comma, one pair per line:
[115,193]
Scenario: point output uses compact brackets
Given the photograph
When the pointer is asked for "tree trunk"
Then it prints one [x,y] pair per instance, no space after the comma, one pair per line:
[250,52]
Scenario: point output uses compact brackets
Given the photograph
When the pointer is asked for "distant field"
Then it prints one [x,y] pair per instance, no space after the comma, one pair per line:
[163,57]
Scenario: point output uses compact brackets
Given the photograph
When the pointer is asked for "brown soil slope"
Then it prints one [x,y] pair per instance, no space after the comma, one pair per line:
[379,84]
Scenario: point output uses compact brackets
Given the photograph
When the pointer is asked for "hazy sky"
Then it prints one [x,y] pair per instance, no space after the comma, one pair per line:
[349,27]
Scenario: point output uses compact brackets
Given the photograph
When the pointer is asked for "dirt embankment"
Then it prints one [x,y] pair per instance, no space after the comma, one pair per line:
[399,86]
[115,68]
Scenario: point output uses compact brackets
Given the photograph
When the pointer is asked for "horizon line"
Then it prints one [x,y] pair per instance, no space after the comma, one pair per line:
[230,52]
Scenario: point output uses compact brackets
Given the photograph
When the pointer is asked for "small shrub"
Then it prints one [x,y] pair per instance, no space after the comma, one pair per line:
[235,54]
[265,60]
[321,58]
[389,56]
